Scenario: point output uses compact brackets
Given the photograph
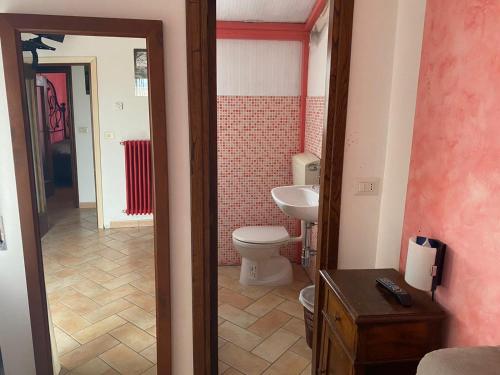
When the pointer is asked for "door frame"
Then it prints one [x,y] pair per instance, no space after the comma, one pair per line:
[201,47]
[11,27]
[91,62]
[46,68]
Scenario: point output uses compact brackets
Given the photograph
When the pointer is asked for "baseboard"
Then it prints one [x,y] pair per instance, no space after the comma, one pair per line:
[87,205]
[130,224]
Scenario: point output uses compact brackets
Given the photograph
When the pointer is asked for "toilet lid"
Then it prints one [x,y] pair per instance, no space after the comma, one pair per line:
[261,234]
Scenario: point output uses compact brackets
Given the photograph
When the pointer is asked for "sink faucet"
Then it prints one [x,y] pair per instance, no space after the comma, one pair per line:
[315,188]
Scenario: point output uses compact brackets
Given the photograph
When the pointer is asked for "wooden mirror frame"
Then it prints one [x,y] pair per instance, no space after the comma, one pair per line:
[201,47]
[11,27]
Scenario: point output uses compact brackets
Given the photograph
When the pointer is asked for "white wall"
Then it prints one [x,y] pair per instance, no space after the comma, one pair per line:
[15,334]
[258,67]
[407,52]
[316,75]
[387,39]
[15,329]
[84,149]
[367,118]
[115,76]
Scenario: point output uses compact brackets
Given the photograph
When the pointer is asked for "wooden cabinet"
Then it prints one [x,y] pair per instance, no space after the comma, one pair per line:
[365,331]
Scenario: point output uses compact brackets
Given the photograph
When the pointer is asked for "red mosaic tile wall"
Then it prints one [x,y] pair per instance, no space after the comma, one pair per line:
[314,124]
[257,136]
[313,139]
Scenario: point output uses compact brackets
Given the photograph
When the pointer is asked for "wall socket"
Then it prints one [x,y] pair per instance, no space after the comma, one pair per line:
[367,186]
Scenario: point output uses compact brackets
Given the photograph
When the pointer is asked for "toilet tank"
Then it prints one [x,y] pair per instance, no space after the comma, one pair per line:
[305,169]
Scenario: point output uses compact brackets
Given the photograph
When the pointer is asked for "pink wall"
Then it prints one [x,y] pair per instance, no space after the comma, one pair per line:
[454,185]
[257,136]
[59,82]
[314,124]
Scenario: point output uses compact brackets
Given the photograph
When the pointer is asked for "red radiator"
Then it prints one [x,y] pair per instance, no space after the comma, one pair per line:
[139,177]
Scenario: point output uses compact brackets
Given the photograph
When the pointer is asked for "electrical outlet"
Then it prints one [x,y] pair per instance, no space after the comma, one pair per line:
[83,130]
[109,135]
[367,186]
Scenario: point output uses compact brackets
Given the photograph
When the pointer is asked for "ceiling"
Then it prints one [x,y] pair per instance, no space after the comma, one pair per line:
[294,11]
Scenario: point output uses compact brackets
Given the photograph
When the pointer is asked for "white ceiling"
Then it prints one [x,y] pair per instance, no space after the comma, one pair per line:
[264,10]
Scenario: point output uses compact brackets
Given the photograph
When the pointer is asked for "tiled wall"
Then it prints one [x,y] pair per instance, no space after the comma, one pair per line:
[257,136]
[454,171]
[313,141]
[314,124]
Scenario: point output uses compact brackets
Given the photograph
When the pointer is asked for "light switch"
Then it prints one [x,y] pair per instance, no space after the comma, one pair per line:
[83,130]
[367,186]
[109,135]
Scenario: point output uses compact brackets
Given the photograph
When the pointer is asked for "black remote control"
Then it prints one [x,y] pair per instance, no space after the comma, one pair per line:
[401,295]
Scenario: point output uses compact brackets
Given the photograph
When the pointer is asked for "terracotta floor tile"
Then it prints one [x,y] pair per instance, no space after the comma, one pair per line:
[121,281]
[232,371]
[69,321]
[233,298]
[88,288]
[152,371]
[132,336]
[98,329]
[236,316]
[288,364]
[269,323]
[145,284]
[264,305]
[275,345]
[301,348]
[222,367]
[95,366]
[139,317]
[65,343]
[239,336]
[109,296]
[307,370]
[243,361]
[143,300]
[292,308]
[125,360]
[108,310]
[150,353]
[296,326]
[88,351]
[79,303]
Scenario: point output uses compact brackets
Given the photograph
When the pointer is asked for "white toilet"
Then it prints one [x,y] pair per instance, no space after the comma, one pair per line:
[259,246]
[261,262]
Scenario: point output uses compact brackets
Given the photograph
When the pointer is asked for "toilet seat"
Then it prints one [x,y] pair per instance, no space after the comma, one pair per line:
[270,234]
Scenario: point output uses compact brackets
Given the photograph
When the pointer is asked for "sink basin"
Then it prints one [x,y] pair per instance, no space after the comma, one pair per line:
[298,201]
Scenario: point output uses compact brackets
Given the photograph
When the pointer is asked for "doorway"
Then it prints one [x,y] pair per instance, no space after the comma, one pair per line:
[202,31]
[31,181]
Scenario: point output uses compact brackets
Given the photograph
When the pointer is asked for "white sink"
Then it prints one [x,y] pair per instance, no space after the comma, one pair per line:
[298,201]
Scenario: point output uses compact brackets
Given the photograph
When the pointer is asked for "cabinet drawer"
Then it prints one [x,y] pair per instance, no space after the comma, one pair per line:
[341,322]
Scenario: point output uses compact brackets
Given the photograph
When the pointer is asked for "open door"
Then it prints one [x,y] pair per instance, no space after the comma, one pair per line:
[38,144]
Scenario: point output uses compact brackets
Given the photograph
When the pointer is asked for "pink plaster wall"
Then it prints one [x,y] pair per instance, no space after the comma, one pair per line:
[454,184]
[257,136]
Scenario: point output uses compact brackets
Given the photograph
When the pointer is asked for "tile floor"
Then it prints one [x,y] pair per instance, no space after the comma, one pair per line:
[100,287]
[261,329]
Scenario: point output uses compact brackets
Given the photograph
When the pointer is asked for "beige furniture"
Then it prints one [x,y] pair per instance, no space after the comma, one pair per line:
[461,361]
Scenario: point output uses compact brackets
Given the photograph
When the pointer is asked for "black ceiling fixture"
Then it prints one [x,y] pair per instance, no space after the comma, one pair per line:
[34,44]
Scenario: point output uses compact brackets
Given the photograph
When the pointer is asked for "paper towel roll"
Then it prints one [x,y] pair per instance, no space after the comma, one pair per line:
[419,263]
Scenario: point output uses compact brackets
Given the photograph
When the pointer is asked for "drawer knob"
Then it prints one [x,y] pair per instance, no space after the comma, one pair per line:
[336,317]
